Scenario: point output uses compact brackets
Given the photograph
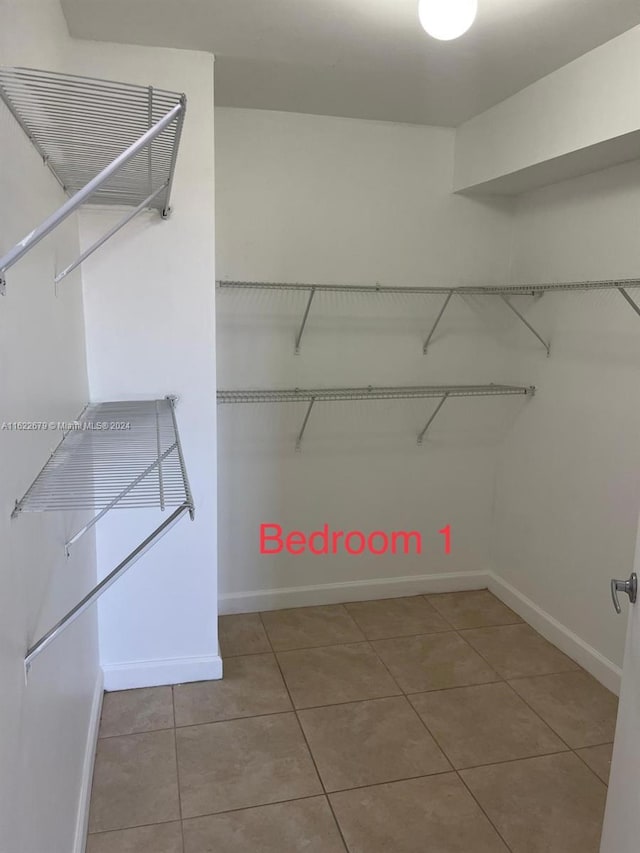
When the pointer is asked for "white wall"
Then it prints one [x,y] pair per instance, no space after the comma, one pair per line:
[45,724]
[314,199]
[149,301]
[568,493]
[576,118]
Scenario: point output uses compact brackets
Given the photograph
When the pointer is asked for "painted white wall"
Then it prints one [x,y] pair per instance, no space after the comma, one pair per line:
[590,104]
[149,303]
[567,491]
[44,734]
[316,199]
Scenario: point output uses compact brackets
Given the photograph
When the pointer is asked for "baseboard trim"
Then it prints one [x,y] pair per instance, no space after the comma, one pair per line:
[84,800]
[335,593]
[606,672]
[155,673]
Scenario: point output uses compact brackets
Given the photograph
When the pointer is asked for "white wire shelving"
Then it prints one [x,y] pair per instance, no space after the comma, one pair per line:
[105,143]
[370,392]
[504,292]
[116,455]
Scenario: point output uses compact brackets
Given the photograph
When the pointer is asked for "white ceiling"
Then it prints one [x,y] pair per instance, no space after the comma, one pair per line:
[362,58]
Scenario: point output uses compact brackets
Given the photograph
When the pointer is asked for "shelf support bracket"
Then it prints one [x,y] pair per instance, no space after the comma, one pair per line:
[435,325]
[304,424]
[102,240]
[631,302]
[527,323]
[304,320]
[79,198]
[41,644]
[432,418]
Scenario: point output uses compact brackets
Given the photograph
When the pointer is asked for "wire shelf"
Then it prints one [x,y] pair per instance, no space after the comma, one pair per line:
[79,125]
[116,455]
[311,396]
[502,291]
[475,290]
[408,392]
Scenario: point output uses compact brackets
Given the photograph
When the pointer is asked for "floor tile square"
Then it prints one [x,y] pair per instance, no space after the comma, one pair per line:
[484,724]
[242,763]
[252,685]
[134,781]
[518,650]
[364,743]
[160,838]
[433,661]
[335,674]
[476,608]
[302,826]
[396,617]
[430,815]
[552,804]
[599,759]
[307,627]
[574,704]
[127,712]
[242,634]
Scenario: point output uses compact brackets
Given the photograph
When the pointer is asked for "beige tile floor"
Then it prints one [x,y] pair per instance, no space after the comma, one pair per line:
[429,724]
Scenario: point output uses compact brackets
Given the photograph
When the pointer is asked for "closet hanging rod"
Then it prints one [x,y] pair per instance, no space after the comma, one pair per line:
[105,143]
[408,392]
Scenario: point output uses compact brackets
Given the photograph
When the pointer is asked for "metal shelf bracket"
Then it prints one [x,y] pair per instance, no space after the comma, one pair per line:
[304,320]
[631,302]
[46,639]
[432,418]
[506,301]
[304,424]
[435,325]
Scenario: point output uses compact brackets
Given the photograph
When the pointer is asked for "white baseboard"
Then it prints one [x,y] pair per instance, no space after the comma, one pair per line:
[336,593]
[155,673]
[84,801]
[600,667]
[571,644]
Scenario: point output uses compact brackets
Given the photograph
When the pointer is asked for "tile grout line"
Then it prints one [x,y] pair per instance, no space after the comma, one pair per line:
[540,717]
[302,731]
[481,807]
[453,768]
[134,826]
[442,750]
[175,743]
[597,775]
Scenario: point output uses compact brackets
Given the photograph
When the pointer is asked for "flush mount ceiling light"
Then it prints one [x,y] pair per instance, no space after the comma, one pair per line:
[447,19]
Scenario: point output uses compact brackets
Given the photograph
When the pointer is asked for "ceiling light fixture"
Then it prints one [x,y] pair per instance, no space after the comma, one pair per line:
[447,19]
